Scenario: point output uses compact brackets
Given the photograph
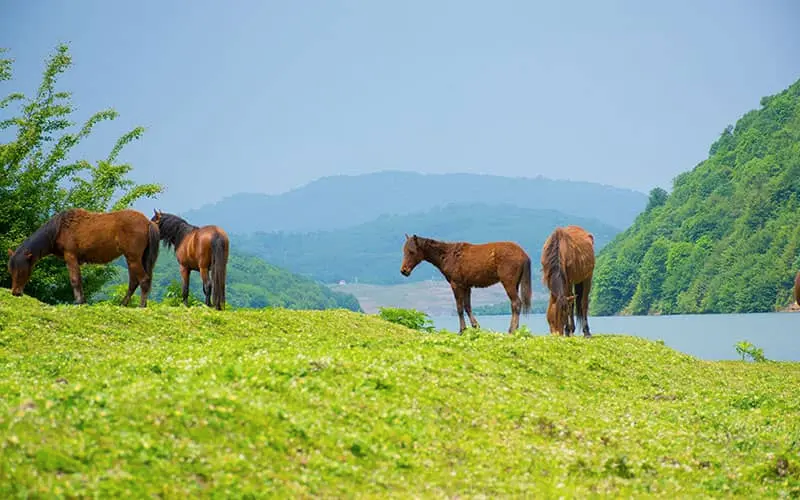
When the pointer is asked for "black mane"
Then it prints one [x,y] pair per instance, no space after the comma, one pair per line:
[41,242]
[174,230]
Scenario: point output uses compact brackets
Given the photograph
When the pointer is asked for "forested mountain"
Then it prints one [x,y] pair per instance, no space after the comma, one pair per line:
[343,201]
[727,239]
[371,252]
[251,283]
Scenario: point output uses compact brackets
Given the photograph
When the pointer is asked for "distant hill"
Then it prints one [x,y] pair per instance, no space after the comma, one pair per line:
[343,201]
[727,239]
[251,283]
[371,252]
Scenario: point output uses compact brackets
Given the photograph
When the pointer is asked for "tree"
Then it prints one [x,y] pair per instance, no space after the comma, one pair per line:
[37,178]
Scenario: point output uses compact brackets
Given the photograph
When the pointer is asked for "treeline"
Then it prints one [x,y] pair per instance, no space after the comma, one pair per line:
[727,239]
[252,283]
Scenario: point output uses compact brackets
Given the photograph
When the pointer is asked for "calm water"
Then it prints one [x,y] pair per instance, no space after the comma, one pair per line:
[706,336]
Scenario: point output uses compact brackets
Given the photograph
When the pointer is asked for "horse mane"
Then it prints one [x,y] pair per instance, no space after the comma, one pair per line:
[553,273]
[41,242]
[174,230]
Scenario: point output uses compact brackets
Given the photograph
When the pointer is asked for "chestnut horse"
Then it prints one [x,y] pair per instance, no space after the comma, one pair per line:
[797,288]
[203,249]
[78,236]
[466,265]
[567,261]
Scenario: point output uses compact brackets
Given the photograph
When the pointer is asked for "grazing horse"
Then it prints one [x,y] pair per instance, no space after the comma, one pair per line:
[78,236]
[203,249]
[567,261]
[466,265]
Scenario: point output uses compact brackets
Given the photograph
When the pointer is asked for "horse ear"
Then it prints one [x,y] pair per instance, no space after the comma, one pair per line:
[406,235]
[10,252]
[415,238]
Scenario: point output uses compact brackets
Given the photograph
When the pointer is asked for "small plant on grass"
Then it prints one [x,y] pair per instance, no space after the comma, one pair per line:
[173,296]
[746,349]
[410,318]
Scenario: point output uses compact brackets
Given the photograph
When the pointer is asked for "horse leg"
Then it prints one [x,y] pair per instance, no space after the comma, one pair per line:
[185,273]
[206,284]
[458,293]
[75,277]
[135,273]
[570,324]
[145,282]
[583,313]
[516,304]
[468,308]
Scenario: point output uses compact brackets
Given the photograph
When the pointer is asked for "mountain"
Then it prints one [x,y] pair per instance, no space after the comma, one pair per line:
[342,201]
[727,239]
[251,283]
[371,252]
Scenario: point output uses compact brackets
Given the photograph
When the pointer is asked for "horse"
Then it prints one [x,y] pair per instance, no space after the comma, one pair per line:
[567,262]
[204,249]
[466,265]
[79,236]
[797,288]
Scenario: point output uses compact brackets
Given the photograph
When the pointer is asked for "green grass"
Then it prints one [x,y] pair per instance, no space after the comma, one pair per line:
[104,401]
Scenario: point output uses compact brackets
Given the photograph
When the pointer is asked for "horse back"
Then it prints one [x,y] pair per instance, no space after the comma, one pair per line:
[99,237]
[195,251]
[483,264]
[577,252]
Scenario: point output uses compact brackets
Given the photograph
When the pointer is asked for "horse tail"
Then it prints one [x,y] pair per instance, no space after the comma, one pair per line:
[551,259]
[219,263]
[525,286]
[150,254]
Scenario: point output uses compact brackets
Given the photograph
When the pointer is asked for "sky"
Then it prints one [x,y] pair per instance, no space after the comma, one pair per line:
[255,96]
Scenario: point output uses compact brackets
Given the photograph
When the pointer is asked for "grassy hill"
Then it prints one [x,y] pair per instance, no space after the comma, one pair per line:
[372,252]
[727,239]
[342,201]
[251,283]
[105,401]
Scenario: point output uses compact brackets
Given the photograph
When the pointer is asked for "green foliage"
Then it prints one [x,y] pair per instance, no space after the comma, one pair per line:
[173,296]
[372,252]
[38,178]
[251,283]
[727,238]
[101,401]
[410,318]
[745,348]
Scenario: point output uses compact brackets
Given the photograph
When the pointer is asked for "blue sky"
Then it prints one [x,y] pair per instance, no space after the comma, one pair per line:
[266,96]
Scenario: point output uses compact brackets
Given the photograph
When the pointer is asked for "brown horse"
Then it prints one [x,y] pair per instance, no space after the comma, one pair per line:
[465,266]
[567,261]
[203,249]
[797,288]
[78,236]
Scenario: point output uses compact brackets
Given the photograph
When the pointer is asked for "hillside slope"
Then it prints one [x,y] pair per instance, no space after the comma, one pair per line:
[251,283]
[727,239]
[372,252]
[343,201]
[105,401]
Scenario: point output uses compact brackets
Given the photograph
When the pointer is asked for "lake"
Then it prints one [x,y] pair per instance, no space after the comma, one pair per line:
[706,336]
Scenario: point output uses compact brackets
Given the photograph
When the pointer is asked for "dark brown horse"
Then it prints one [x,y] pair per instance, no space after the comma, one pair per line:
[567,262]
[466,265]
[203,249]
[78,236]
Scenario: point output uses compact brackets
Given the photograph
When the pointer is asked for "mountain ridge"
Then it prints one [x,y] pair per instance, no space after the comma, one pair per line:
[328,203]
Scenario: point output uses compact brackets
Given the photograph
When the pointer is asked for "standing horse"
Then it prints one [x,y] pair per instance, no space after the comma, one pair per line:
[567,261]
[78,236]
[465,265]
[797,288]
[203,249]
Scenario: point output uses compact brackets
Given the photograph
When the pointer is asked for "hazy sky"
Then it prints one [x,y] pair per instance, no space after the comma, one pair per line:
[264,96]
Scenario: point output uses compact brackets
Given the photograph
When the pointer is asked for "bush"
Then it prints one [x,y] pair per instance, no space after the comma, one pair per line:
[410,318]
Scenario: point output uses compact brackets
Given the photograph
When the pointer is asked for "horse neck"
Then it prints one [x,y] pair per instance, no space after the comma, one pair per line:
[178,231]
[43,241]
[435,251]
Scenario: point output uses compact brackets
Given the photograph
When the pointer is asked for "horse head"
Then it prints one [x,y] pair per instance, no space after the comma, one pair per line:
[20,265]
[412,255]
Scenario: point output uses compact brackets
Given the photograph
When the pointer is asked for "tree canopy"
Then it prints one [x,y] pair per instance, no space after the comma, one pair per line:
[727,239]
[39,178]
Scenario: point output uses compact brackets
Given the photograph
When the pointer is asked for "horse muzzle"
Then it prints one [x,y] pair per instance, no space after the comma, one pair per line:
[405,271]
